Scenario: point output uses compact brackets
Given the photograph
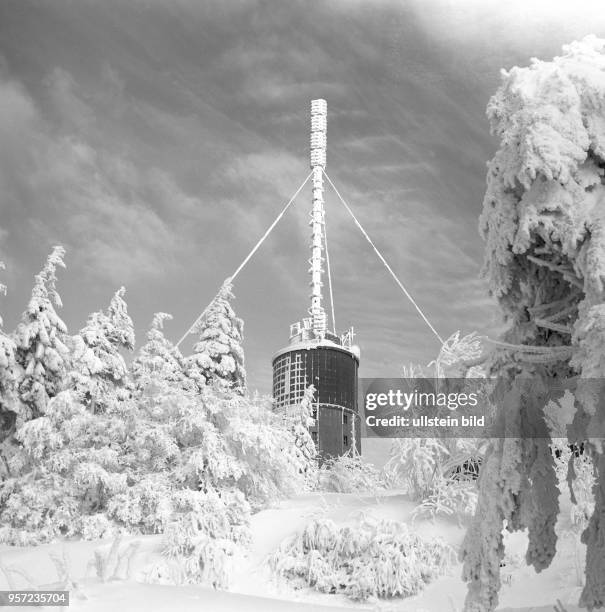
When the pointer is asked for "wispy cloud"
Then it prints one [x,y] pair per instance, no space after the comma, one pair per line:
[158,140]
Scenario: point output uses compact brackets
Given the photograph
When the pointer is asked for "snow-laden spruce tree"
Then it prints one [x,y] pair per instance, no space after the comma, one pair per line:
[251,447]
[41,341]
[187,463]
[136,467]
[67,466]
[8,379]
[300,417]
[72,457]
[170,458]
[544,224]
[218,356]
[159,360]
[99,372]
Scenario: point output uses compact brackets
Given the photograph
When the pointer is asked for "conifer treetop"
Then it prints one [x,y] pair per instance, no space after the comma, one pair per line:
[158,359]
[155,333]
[41,304]
[46,279]
[218,354]
[40,338]
[123,332]
[157,322]
[105,333]
[113,326]
[43,299]
[546,179]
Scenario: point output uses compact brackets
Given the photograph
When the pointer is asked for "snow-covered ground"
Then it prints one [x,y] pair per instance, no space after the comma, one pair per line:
[254,588]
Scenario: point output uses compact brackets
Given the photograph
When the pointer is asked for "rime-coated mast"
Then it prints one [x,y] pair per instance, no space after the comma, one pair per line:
[316,355]
[319,111]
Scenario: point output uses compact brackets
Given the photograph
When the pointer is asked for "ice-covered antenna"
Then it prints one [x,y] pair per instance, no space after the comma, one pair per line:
[319,111]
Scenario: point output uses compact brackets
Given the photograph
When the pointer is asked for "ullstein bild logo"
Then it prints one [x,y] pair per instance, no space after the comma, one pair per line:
[470,408]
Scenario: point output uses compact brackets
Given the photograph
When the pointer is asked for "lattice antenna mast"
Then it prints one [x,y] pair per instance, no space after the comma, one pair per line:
[319,111]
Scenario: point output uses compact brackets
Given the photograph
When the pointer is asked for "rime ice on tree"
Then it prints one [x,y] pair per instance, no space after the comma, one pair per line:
[218,355]
[158,360]
[40,340]
[100,372]
[544,224]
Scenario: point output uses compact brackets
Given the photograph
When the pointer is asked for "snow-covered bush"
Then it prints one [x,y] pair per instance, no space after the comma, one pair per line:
[367,559]
[349,473]
[113,561]
[459,357]
[200,542]
[449,497]
[415,464]
[440,474]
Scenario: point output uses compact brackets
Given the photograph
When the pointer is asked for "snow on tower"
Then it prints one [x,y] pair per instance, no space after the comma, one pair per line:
[315,355]
[319,111]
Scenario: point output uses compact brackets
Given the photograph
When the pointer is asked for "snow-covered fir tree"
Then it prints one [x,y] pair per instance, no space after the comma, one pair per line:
[300,417]
[218,356]
[121,330]
[159,359]
[40,340]
[66,468]
[161,447]
[161,462]
[544,225]
[274,466]
[186,460]
[100,373]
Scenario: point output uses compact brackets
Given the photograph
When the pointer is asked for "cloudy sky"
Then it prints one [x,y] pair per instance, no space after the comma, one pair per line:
[156,140]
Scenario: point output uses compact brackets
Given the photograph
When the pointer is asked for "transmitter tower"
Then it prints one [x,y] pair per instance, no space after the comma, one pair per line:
[315,355]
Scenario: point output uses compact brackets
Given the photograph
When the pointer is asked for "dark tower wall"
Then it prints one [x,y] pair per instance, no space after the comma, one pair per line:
[332,370]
